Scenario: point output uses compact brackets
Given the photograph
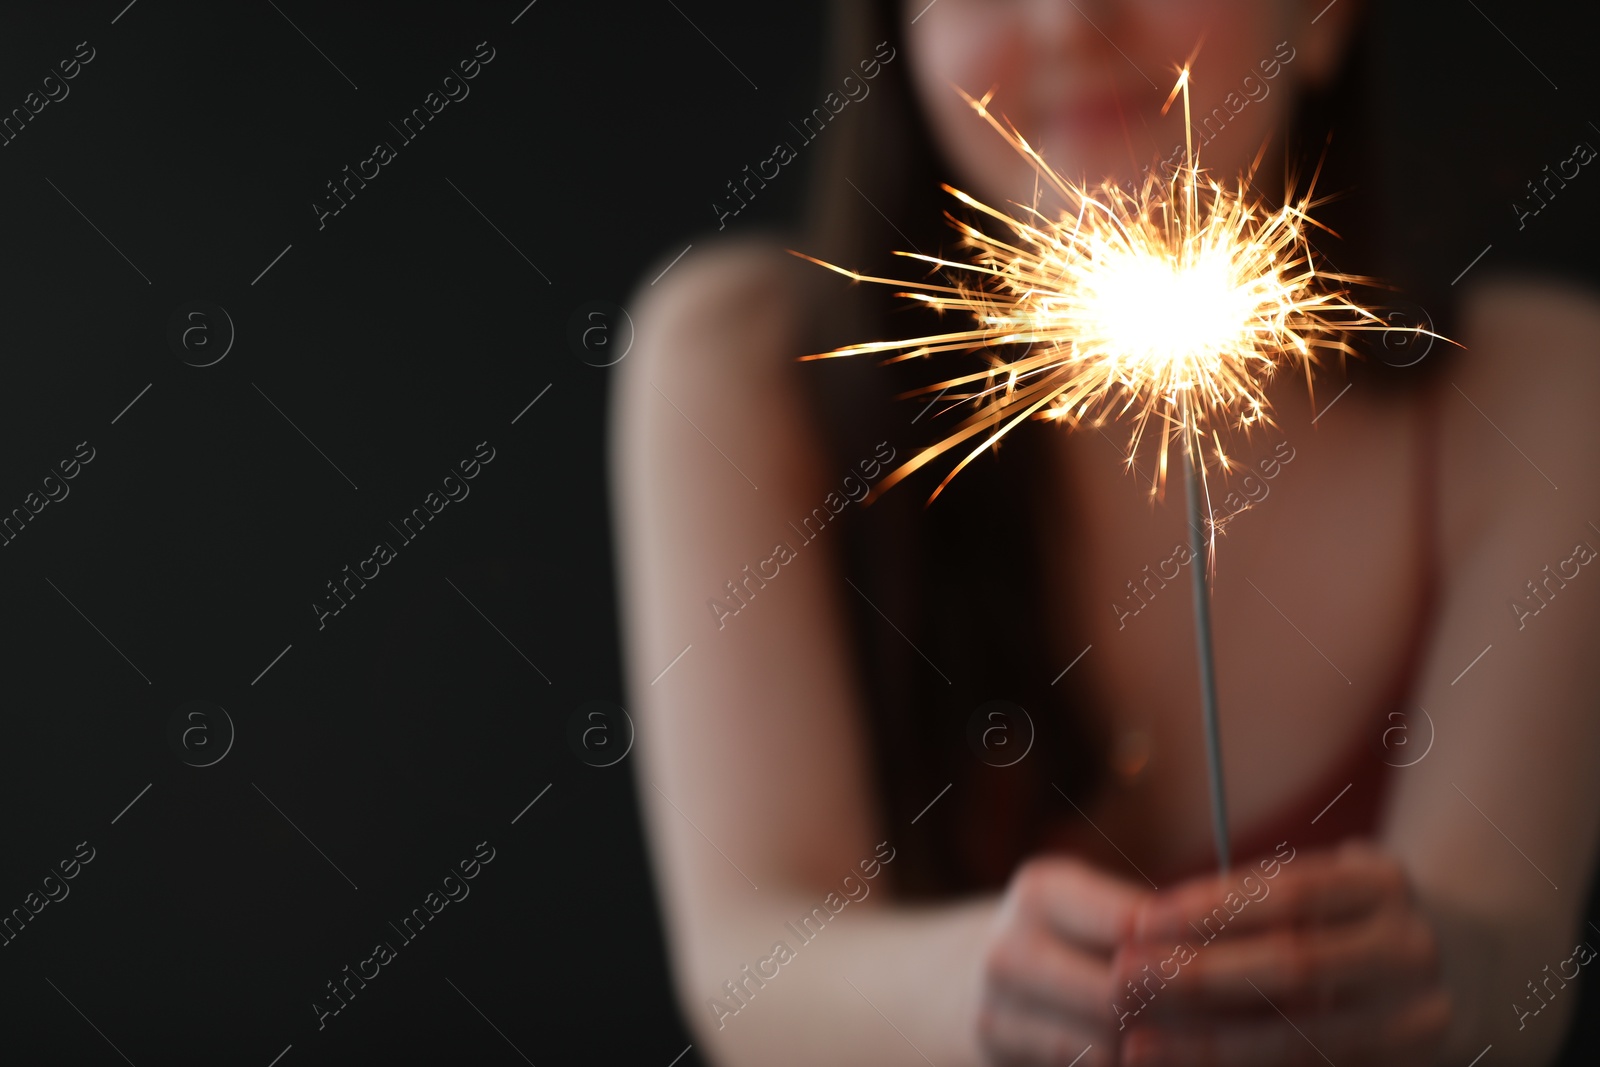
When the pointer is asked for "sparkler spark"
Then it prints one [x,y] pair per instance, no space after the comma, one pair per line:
[1178,301]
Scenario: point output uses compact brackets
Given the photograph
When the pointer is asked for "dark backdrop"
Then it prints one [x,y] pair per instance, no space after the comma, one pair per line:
[264,788]
[185,556]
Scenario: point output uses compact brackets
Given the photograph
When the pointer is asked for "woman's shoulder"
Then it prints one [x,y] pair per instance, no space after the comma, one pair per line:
[732,307]
[1518,436]
[718,334]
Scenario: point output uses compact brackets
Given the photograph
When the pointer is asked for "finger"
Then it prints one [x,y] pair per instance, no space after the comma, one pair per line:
[1324,887]
[1408,1032]
[1038,968]
[1081,904]
[1014,1035]
[1394,950]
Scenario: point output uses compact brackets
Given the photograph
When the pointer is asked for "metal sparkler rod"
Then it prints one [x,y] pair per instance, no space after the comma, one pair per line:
[1207,657]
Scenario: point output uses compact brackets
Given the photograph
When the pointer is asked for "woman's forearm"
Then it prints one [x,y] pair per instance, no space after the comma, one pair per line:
[880,984]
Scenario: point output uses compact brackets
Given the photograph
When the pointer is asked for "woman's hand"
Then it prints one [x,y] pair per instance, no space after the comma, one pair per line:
[1332,960]
[1046,981]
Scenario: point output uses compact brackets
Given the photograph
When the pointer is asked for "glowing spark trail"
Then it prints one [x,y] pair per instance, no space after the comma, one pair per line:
[1176,301]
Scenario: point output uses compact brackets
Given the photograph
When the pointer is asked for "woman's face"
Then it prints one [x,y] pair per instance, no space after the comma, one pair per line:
[1084,81]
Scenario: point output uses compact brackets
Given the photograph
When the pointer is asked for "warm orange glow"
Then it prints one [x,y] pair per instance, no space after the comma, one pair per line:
[1177,302]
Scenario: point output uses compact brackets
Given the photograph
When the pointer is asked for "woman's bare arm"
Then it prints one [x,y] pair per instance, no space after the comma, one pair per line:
[752,758]
[1497,825]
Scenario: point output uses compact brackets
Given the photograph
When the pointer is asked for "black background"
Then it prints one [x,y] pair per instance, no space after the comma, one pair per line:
[397,337]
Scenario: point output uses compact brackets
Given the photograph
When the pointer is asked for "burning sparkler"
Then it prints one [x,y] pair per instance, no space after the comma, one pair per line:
[1177,301]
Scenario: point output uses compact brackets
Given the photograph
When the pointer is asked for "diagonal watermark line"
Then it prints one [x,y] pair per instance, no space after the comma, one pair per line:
[490,1021]
[680,1055]
[302,833]
[271,665]
[1479,1056]
[1128,460]
[931,803]
[280,1055]
[713,44]
[131,803]
[1502,833]
[524,11]
[1102,833]
[532,402]
[1332,402]
[1509,441]
[1071,665]
[274,263]
[1324,11]
[499,631]
[671,665]
[1299,631]
[121,13]
[924,11]
[702,833]
[531,803]
[501,232]
[302,433]
[1331,803]
[90,1021]
[1080,1056]
[1113,44]
[901,632]
[1474,262]
[674,263]
[886,218]
[101,232]
[1473,664]
[702,433]
[1290,1021]
[890,1021]
[313,44]
[1513,44]
[99,631]
[132,402]
[926,407]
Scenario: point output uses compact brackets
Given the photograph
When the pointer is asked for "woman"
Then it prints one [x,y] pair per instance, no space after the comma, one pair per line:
[816,680]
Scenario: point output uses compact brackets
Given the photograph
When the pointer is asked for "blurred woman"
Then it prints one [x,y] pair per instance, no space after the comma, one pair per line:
[854,865]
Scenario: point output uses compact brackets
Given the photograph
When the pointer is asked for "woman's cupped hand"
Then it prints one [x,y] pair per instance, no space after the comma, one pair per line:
[1327,959]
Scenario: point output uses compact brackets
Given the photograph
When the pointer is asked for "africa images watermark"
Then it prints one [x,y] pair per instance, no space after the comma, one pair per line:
[1231,906]
[783,153]
[740,591]
[383,153]
[1271,467]
[12,525]
[384,953]
[410,528]
[12,925]
[1582,953]
[739,991]
[1582,153]
[12,125]
[1535,601]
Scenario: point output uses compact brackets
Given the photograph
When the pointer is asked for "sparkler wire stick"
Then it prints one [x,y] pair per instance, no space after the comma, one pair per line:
[1206,656]
[1202,592]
